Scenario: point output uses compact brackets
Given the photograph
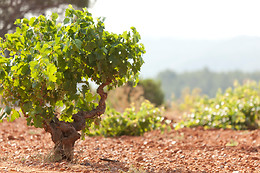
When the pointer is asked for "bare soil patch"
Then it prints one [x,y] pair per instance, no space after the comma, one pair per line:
[27,149]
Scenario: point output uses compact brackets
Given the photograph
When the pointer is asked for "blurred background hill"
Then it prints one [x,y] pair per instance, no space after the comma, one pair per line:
[180,55]
[209,82]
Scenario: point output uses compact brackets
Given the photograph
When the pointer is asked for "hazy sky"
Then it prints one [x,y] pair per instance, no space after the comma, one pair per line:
[184,19]
[164,24]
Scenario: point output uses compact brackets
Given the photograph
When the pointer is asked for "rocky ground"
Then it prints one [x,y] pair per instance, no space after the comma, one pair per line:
[27,149]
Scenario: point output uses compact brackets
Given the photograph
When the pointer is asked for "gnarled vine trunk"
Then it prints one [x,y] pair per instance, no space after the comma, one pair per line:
[65,134]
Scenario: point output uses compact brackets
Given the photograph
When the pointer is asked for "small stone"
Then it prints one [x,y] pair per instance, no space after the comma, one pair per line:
[10,137]
[139,159]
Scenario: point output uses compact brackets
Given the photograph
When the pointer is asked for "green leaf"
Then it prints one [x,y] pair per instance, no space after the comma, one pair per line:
[104,50]
[37,121]
[34,66]
[125,35]
[8,110]
[32,20]
[51,71]
[69,111]
[27,106]
[66,21]
[54,16]
[29,121]
[115,60]
[78,43]
[14,115]
[26,21]
[59,103]
[1,92]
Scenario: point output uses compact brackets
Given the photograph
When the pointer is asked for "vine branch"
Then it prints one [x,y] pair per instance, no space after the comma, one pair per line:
[80,117]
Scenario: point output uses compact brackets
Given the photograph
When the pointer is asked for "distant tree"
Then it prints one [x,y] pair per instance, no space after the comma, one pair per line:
[152,91]
[10,10]
[128,95]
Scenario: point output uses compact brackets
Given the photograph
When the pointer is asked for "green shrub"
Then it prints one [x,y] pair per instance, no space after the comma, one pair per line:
[237,108]
[152,91]
[131,122]
[43,63]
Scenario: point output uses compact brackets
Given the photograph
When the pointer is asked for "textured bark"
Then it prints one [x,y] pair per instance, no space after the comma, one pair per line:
[64,134]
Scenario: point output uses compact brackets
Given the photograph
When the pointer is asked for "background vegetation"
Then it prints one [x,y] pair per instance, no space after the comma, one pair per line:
[131,122]
[237,108]
[128,95]
[208,81]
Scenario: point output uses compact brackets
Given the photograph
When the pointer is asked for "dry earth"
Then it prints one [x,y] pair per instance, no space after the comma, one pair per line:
[27,149]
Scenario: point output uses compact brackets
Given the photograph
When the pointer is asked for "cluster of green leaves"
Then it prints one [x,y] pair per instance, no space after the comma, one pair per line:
[43,62]
[237,108]
[131,122]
